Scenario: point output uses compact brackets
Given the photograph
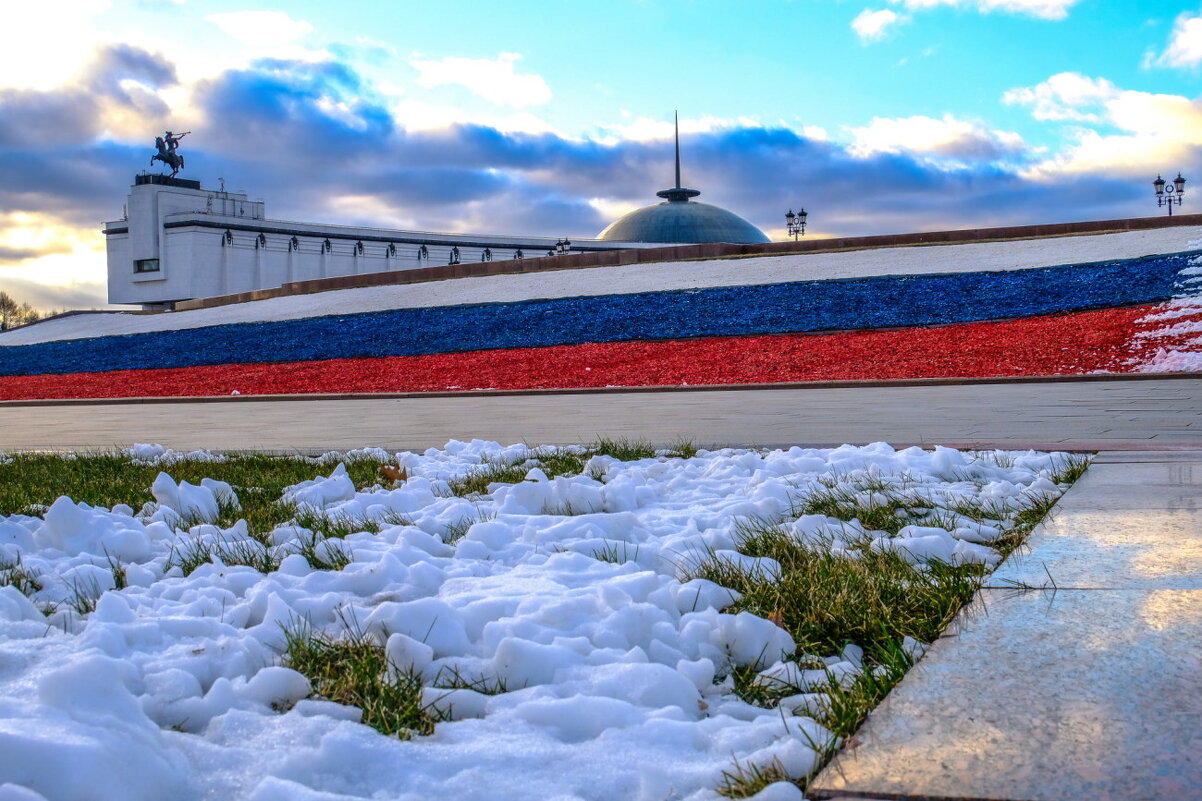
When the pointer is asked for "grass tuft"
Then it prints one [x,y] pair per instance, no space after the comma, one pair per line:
[477,481]
[355,671]
[191,554]
[450,678]
[1071,468]
[616,552]
[323,553]
[745,780]
[25,580]
[623,449]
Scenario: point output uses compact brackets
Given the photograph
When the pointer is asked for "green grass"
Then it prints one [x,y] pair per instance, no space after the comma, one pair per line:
[827,600]
[21,578]
[450,678]
[477,480]
[745,780]
[622,449]
[874,599]
[29,481]
[555,462]
[617,552]
[323,553]
[354,671]
[195,552]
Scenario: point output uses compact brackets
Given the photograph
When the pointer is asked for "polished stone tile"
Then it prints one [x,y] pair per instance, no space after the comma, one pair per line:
[1120,549]
[1043,697]
[1161,472]
[1136,497]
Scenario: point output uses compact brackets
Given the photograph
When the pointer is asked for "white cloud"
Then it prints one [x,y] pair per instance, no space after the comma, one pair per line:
[494,80]
[815,133]
[64,260]
[43,45]
[872,26]
[417,115]
[1157,132]
[261,28]
[647,129]
[1044,9]
[1185,44]
[949,138]
[1064,96]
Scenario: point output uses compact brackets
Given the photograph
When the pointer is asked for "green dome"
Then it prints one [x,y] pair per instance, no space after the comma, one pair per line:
[682,221]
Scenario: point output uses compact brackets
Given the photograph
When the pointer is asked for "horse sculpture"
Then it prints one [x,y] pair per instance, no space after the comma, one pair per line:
[172,159]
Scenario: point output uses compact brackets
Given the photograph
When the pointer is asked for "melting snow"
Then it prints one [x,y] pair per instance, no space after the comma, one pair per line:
[617,673]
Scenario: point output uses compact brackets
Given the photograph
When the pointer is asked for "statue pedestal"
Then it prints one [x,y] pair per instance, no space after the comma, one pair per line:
[165,180]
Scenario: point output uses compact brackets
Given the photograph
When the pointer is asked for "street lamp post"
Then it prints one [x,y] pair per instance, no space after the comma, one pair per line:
[796,223]
[563,247]
[1169,193]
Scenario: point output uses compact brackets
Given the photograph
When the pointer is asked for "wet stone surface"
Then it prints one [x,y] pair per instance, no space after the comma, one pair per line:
[1039,696]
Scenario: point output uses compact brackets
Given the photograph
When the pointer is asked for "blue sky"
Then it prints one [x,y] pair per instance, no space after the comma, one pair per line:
[555,117]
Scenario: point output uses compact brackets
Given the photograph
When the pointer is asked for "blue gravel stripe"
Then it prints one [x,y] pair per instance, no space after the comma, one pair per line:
[802,306]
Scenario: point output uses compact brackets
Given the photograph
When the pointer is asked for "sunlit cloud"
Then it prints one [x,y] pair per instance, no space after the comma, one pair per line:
[495,80]
[1157,131]
[43,45]
[261,28]
[1066,96]
[947,137]
[1043,9]
[51,264]
[1185,44]
[871,26]
[647,129]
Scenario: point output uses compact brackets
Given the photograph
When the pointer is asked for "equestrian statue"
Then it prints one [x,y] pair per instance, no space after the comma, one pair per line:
[167,147]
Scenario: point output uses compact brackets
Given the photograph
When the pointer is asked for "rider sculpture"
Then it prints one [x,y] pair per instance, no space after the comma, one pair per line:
[167,147]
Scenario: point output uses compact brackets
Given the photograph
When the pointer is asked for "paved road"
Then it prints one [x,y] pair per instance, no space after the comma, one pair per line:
[1111,414]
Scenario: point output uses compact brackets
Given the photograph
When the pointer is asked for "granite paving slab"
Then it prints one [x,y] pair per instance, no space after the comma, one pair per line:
[1186,471]
[1041,696]
[1108,549]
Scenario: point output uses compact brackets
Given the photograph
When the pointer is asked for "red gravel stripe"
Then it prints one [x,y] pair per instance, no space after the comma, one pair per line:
[1069,344]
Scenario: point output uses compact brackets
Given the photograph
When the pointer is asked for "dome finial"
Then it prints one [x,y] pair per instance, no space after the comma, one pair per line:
[678,194]
[677,115]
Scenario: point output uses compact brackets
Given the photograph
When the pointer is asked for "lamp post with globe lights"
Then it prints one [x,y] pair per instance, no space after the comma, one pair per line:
[1169,193]
[796,223]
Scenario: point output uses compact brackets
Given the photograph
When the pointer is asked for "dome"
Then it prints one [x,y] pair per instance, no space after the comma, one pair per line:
[679,220]
[682,221]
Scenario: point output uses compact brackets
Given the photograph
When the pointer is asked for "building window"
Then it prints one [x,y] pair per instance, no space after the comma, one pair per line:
[146,266]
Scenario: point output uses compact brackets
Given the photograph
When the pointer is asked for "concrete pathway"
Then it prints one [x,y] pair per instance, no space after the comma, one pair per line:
[1091,689]
[1114,413]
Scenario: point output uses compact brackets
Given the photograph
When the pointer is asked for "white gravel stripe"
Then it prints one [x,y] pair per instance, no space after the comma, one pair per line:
[633,278]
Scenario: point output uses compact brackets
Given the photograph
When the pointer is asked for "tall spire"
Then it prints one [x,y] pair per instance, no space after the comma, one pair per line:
[678,194]
[677,113]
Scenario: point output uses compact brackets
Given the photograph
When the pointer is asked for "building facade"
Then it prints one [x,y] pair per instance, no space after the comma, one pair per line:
[178,241]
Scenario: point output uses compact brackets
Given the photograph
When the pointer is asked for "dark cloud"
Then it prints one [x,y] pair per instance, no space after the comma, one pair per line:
[118,63]
[10,256]
[305,136]
[45,120]
[47,298]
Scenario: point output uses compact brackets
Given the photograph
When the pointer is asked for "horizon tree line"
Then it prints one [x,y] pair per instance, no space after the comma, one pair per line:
[14,313]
